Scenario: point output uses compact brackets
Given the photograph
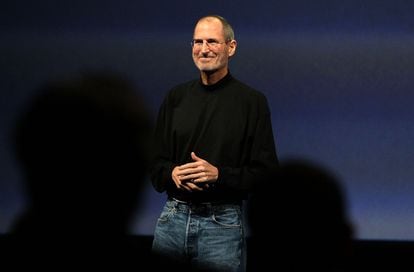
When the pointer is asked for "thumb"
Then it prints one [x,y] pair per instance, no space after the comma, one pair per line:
[194,157]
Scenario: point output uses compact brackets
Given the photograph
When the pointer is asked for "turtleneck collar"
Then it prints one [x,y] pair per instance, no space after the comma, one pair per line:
[218,84]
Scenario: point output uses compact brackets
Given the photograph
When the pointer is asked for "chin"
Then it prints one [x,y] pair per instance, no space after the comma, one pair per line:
[205,68]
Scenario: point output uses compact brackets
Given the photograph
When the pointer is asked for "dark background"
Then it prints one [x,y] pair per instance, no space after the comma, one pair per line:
[338,75]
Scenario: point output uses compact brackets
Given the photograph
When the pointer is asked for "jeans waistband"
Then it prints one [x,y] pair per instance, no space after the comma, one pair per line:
[200,208]
[203,209]
[212,203]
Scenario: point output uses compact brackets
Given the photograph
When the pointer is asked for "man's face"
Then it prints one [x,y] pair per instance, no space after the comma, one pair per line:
[211,51]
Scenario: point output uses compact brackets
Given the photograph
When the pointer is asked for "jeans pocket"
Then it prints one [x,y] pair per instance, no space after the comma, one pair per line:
[166,214]
[227,217]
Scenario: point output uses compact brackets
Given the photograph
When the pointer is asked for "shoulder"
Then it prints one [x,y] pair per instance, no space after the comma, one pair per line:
[245,91]
[184,87]
[177,92]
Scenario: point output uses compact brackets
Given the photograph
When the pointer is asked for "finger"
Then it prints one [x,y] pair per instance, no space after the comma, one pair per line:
[194,187]
[189,171]
[194,156]
[201,179]
[177,182]
[189,178]
[189,165]
[195,177]
[185,187]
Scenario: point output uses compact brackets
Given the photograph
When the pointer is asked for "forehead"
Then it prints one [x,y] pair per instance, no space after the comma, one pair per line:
[209,28]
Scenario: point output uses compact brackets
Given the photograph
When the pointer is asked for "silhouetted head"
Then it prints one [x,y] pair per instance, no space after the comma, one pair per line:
[83,147]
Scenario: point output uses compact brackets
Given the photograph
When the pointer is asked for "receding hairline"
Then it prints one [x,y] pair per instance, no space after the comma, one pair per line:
[227,28]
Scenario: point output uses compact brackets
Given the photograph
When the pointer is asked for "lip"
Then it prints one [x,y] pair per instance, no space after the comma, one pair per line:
[204,59]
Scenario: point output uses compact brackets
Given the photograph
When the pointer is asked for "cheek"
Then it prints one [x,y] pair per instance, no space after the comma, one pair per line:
[195,52]
[223,58]
[195,57]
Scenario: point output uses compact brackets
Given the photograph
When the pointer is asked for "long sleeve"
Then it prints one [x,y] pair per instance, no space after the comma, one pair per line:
[261,161]
[161,164]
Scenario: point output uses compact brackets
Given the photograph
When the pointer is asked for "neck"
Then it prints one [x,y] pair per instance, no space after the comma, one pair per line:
[210,78]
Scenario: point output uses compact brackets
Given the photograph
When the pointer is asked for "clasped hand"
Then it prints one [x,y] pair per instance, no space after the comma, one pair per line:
[194,176]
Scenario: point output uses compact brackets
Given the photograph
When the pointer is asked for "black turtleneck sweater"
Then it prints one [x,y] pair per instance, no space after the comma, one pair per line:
[227,124]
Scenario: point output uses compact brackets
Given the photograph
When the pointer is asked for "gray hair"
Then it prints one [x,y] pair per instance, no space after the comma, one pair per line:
[227,28]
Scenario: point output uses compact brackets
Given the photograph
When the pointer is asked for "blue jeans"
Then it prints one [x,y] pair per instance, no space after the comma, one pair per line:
[207,236]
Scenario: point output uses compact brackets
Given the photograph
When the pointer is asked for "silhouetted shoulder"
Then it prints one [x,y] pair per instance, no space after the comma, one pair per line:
[308,206]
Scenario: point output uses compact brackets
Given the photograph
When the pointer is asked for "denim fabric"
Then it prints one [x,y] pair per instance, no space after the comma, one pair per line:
[208,236]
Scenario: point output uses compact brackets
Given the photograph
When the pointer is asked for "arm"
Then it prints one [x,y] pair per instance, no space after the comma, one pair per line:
[164,172]
[161,164]
[261,160]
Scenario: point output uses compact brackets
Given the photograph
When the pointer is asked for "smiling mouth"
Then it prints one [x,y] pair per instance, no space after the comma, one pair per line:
[204,59]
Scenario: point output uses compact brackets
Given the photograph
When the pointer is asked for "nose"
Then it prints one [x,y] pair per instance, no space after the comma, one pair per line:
[205,47]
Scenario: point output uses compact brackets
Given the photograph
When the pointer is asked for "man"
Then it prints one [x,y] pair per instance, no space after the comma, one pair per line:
[213,144]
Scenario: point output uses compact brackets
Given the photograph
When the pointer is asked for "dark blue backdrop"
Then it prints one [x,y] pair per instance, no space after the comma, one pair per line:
[338,76]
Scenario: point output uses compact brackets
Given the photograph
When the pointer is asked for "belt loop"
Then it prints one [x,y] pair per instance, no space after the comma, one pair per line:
[179,201]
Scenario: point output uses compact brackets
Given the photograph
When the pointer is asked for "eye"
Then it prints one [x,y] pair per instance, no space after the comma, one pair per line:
[212,42]
[197,41]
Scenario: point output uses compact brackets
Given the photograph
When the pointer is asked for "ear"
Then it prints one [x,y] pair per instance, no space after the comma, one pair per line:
[232,47]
